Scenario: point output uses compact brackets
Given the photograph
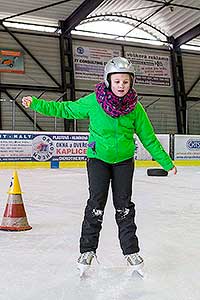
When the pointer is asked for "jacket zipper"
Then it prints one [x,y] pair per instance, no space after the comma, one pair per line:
[116,142]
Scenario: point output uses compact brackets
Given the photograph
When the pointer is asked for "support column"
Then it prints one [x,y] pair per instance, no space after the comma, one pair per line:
[67,73]
[179,89]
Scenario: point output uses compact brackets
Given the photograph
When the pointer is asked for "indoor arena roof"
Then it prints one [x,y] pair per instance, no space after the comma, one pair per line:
[157,20]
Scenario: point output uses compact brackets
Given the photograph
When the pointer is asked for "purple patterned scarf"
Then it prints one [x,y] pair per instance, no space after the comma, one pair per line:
[115,106]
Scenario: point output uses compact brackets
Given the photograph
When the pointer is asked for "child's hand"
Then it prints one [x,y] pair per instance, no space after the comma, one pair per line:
[174,170]
[26,101]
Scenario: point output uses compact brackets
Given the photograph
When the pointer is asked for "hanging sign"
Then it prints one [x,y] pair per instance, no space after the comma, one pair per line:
[150,69]
[89,62]
[11,61]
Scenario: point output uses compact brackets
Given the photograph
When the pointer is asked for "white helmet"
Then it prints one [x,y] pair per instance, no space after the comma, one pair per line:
[118,65]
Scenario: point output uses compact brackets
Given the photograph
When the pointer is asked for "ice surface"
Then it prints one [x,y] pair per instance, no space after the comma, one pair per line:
[41,263]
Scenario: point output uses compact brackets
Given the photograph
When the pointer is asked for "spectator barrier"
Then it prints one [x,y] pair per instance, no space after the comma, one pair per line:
[20,149]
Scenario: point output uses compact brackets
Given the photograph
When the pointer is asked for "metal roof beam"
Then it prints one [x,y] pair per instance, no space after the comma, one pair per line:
[124,17]
[157,1]
[10,86]
[79,14]
[148,17]
[195,99]
[193,85]
[187,36]
[175,4]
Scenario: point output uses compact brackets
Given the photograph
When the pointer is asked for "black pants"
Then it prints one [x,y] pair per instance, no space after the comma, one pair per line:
[100,174]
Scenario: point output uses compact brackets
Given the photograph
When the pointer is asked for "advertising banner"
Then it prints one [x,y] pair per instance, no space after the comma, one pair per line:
[150,69]
[60,147]
[11,61]
[21,146]
[187,147]
[89,62]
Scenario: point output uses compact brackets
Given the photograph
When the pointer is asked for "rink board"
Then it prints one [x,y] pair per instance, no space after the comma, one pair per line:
[82,164]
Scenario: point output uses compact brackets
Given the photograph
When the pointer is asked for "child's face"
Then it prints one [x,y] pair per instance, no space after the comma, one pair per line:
[120,84]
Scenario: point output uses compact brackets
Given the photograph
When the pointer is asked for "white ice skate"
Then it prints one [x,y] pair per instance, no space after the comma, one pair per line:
[136,263]
[84,262]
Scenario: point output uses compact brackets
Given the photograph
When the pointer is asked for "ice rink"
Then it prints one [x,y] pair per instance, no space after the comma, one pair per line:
[40,264]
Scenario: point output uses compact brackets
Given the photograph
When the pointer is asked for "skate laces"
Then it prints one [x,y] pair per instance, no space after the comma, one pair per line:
[134,259]
[87,257]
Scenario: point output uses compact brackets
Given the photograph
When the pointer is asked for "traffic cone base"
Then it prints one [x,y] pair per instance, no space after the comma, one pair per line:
[14,218]
[16,224]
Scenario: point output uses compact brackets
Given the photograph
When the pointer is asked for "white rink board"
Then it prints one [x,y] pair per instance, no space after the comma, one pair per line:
[143,154]
[187,147]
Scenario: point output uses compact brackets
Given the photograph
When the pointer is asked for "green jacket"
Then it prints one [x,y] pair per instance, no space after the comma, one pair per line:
[111,139]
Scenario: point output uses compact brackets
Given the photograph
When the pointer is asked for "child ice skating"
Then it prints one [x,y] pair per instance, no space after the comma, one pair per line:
[115,114]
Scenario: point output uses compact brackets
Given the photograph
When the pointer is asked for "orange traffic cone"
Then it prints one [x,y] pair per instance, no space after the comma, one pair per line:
[14,218]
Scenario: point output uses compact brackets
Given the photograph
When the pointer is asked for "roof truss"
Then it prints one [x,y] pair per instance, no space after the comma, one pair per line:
[79,14]
[187,36]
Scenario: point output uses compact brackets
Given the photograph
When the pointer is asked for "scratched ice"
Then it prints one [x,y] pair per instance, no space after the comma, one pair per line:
[41,263]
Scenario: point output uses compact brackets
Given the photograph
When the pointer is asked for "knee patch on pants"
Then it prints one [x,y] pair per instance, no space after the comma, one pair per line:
[122,213]
[98,214]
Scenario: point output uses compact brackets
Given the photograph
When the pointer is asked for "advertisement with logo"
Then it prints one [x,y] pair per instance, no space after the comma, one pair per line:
[41,147]
[89,62]
[11,61]
[187,147]
[150,69]
[142,154]
[58,147]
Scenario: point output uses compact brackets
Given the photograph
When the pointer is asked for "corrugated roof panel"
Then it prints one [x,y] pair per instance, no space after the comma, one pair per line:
[177,20]
[153,17]
[47,16]
[194,42]
[173,19]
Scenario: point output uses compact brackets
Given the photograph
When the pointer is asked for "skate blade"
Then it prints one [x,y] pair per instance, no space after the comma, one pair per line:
[82,270]
[82,276]
[139,272]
